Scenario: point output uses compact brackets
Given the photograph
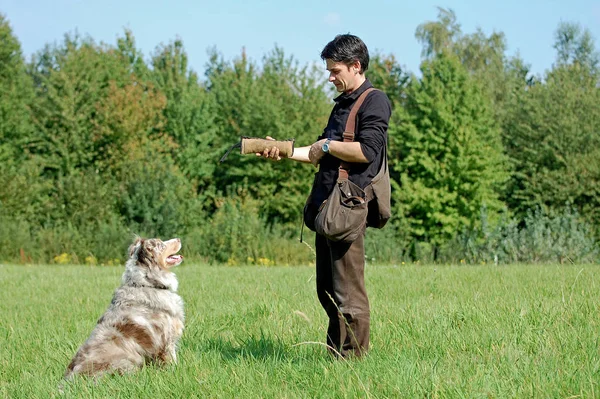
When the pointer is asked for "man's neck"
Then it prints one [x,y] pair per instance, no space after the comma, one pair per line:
[359,81]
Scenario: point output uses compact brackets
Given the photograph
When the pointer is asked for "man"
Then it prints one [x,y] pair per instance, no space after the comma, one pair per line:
[340,266]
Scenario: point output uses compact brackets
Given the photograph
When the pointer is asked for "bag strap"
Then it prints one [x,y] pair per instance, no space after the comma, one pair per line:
[349,131]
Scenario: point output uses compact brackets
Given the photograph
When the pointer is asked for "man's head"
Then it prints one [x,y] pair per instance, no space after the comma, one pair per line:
[347,59]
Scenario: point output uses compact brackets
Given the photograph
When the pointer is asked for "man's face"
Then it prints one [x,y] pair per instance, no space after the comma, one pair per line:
[344,77]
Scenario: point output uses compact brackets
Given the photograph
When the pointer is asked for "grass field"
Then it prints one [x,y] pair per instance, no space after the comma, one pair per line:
[437,331]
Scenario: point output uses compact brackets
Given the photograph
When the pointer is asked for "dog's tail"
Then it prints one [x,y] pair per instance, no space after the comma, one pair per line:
[68,376]
[61,386]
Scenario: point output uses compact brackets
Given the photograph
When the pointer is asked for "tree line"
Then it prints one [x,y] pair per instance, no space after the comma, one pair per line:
[98,142]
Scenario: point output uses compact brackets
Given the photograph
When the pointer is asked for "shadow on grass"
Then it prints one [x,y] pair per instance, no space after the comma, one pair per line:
[252,348]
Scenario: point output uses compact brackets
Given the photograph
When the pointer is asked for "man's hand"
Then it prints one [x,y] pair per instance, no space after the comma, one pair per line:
[300,153]
[270,153]
[316,152]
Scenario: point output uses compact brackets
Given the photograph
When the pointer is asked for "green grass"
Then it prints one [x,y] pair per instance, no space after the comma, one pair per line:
[437,331]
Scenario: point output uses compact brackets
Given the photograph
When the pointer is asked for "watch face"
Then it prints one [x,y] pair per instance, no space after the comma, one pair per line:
[325,147]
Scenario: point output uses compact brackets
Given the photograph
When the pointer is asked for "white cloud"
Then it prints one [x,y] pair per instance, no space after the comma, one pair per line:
[332,19]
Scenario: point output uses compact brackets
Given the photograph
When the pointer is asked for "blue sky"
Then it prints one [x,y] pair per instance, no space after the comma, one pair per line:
[300,28]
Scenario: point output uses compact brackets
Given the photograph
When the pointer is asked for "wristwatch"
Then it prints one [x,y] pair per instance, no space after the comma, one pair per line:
[325,146]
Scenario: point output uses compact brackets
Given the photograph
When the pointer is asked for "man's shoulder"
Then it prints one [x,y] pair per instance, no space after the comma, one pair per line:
[378,94]
[377,99]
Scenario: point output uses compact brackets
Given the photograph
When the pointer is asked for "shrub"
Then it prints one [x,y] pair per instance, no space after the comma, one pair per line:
[235,232]
[386,246]
[540,238]
[237,235]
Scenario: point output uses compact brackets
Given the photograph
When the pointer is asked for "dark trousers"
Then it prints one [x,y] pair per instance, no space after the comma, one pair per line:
[341,291]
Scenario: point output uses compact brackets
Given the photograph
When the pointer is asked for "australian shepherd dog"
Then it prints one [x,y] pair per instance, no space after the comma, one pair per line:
[145,318]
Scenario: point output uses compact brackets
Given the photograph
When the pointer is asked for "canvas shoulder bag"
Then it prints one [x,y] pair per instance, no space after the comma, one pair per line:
[380,193]
[343,215]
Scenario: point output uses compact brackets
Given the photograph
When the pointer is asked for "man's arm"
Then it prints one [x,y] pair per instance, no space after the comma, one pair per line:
[301,154]
[374,117]
[349,151]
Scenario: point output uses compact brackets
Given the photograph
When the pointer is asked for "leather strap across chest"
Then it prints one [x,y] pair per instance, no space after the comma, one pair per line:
[349,131]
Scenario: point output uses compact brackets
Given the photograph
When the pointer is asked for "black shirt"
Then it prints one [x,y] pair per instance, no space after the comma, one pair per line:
[371,133]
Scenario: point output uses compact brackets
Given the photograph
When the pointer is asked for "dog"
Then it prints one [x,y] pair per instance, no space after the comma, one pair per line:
[145,319]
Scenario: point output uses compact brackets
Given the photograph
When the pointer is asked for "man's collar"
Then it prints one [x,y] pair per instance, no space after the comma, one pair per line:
[354,95]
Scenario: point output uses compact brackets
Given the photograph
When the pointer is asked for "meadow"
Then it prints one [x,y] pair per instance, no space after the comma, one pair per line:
[438,331]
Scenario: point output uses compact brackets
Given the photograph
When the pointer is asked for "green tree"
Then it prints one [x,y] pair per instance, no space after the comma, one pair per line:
[575,45]
[446,152]
[483,56]
[281,100]
[189,114]
[387,75]
[131,56]
[71,80]
[101,131]
[439,36]
[16,94]
[23,193]
[553,133]
[153,196]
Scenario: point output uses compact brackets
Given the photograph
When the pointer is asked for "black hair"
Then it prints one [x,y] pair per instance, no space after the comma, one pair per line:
[347,49]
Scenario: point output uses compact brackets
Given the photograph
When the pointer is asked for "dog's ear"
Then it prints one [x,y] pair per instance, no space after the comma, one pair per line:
[137,243]
[148,252]
[149,245]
